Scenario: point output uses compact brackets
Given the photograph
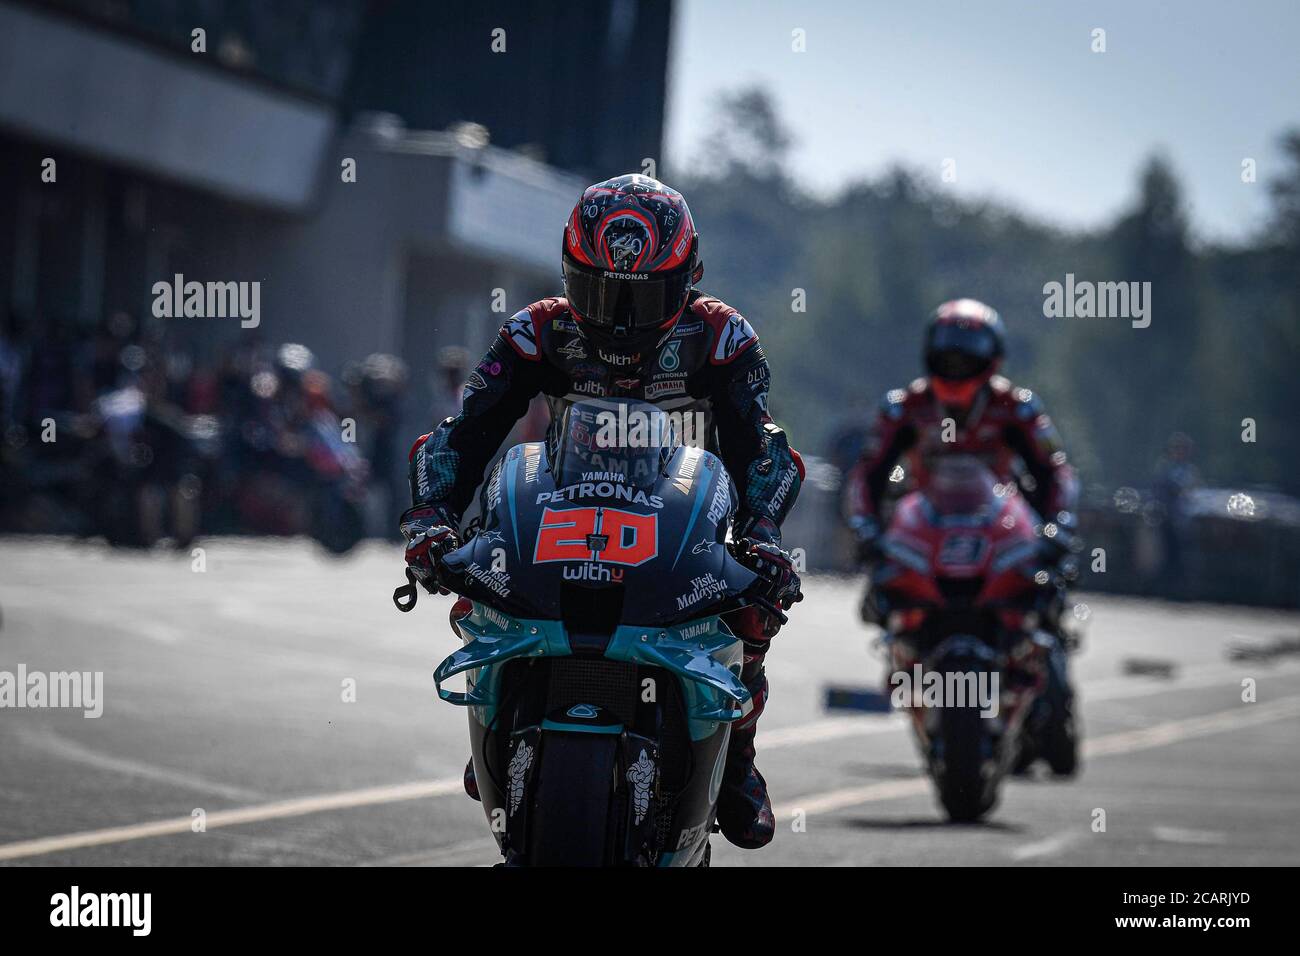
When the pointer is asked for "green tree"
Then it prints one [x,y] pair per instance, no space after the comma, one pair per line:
[874,261]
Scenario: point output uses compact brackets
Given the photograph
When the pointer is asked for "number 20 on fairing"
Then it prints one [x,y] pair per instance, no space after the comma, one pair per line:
[597,534]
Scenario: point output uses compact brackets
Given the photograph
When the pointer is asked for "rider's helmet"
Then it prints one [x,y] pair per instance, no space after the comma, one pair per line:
[964,344]
[291,362]
[631,256]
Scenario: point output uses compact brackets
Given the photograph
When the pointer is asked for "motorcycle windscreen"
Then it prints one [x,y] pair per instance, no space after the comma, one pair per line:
[620,440]
[962,486]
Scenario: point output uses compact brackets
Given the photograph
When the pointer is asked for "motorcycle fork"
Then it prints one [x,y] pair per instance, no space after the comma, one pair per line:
[641,765]
[639,779]
[518,794]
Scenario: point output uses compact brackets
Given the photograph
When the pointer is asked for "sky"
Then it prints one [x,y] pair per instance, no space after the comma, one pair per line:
[1012,91]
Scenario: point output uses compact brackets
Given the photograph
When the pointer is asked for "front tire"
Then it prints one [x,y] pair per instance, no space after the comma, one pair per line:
[572,815]
[965,765]
[1060,746]
[1060,738]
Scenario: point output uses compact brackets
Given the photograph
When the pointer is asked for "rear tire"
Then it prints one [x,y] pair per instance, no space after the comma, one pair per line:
[1060,745]
[572,814]
[1026,754]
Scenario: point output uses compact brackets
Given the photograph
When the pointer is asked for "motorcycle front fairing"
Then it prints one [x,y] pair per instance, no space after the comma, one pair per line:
[659,539]
[959,585]
[703,656]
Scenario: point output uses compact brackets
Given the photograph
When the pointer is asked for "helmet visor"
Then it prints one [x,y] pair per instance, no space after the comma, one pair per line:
[625,302]
[959,352]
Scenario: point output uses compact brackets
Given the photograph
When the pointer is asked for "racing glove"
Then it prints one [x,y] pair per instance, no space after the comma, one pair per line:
[1059,545]
[778,584]
[866,534]
[430,533]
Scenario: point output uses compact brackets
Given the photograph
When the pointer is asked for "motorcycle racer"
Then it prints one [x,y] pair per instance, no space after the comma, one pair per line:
[632,324]
[964,407]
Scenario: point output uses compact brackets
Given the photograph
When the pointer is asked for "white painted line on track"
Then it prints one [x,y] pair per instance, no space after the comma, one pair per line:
[1172,731]
[1187,836]
[831,800]
[790,736]
[1124,742]
[1049,847]
[480,848]
[835,728]
[832,728]
[56,745]
[278,810]
[1157,735]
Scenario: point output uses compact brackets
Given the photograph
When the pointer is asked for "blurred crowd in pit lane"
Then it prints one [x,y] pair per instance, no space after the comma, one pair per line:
[125,432]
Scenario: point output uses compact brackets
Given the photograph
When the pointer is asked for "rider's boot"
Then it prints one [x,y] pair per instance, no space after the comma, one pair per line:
[471,782]
[744,810]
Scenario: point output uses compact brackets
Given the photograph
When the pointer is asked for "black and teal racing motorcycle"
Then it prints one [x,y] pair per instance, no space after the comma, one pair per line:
[600,677]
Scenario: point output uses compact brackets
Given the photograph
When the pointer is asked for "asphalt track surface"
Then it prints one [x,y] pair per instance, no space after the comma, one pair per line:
[223,693]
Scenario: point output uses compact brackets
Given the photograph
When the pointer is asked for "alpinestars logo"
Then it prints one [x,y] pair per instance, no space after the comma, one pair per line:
[733,339]
[519,331]
[572,349]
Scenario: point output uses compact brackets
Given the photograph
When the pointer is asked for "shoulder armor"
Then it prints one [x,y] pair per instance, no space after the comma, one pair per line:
[892,405]
[1028,406]
[732,333]
[525,328]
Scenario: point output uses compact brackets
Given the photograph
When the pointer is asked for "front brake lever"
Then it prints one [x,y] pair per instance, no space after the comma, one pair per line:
[770,607]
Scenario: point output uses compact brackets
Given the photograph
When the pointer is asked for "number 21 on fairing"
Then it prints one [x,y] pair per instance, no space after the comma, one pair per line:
[596,534]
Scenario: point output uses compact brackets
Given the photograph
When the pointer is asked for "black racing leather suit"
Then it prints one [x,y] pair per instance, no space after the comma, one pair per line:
[711,363]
